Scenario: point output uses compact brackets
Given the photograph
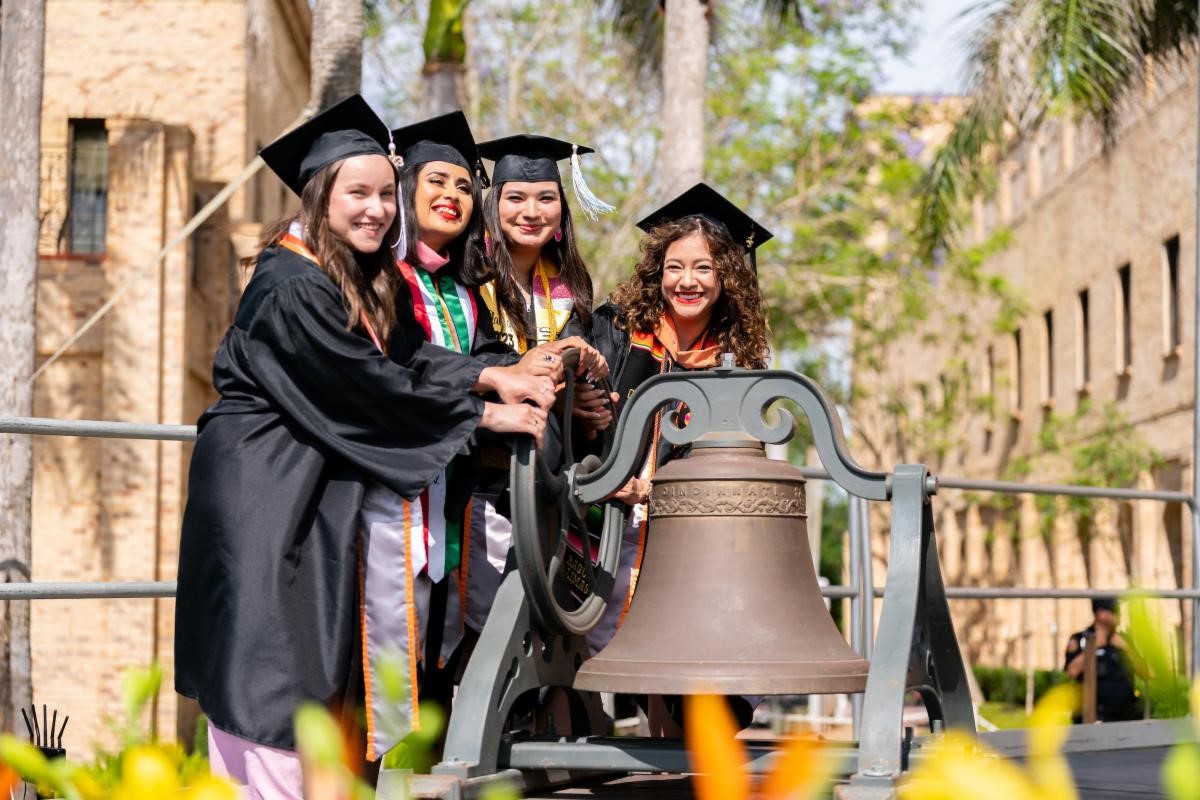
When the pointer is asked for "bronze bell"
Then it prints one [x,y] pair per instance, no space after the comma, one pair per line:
[727,598]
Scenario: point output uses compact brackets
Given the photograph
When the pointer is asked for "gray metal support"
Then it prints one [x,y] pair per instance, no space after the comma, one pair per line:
[511,658]
[868,579]
[916,646]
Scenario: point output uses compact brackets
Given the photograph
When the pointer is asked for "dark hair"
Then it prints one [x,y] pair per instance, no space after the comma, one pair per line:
[565,255]
[466,251]
[368,281]
[738,320]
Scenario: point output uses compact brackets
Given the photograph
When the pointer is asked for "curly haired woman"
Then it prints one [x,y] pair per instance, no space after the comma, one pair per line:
[693,297]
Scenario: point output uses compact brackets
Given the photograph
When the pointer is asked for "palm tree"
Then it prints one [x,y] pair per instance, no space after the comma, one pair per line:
[336,52]
[445,58]
[673,35]
[1032,59]
[23,25]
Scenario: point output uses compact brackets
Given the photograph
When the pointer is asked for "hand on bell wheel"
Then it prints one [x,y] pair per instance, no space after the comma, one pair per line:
[515,418]
[545,513]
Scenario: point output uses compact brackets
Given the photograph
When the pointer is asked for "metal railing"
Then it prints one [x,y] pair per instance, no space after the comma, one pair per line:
[861,589]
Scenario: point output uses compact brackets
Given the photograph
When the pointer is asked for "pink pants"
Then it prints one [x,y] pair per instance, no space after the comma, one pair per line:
[266,773]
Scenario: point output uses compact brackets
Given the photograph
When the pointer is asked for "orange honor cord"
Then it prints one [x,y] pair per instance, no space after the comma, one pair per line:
[414,644]
[464,566]
[366,654]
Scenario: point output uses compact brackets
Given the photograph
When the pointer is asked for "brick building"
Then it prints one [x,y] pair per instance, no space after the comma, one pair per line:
[1102,252]
[149,109]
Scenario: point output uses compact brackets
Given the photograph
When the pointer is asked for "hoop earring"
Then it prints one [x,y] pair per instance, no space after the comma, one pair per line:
[558,235]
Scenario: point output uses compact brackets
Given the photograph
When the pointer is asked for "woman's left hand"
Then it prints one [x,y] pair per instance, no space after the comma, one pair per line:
[593,408]
[591,363]
[541,361]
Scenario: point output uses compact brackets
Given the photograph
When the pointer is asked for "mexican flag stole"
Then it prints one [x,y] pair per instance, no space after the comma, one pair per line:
[447,312]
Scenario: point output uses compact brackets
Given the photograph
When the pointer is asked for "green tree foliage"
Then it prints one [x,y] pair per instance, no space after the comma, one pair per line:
[1030,60]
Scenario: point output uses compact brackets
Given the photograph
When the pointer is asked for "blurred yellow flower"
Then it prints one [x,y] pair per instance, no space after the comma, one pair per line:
[210,787]
[147,773]
[959,766]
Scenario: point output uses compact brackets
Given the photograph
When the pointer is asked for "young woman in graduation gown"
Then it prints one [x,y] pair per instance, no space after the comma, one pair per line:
[312,412]
[538,292]
[693,296]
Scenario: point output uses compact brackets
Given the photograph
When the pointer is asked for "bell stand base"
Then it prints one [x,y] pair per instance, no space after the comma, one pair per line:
[916,648]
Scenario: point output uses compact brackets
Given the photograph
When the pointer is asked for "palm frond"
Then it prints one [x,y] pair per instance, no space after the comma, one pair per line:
[1030,59]
[640,22]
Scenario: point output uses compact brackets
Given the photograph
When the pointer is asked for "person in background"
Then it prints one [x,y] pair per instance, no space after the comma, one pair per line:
[1116,698]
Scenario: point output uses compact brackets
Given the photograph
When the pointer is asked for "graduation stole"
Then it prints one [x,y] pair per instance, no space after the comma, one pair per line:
[552,306]
[447,313]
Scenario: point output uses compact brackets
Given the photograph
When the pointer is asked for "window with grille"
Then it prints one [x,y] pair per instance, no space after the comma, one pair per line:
[87,208]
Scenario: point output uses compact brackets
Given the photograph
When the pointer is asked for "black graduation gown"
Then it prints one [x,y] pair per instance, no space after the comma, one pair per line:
[309,414]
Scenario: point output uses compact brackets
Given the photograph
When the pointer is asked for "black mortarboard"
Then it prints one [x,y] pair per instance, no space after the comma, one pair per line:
[526,157]
[532,158]
[345,129]
[446,138]
[704,201]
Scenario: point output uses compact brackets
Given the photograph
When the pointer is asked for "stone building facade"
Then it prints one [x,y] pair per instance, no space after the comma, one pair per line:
[149,110]
[1101,250]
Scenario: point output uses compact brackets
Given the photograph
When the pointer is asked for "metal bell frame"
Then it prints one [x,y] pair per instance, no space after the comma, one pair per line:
[531,641]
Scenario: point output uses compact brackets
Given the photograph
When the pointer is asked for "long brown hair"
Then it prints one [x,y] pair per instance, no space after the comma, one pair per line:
[739,323]
[368,281]
[565,255]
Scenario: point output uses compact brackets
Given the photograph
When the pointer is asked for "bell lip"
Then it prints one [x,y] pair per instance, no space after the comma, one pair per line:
[668,677]
[640,683]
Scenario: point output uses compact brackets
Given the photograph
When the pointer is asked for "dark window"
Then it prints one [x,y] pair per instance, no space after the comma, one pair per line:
[1048,356]
[1084,347]
[1172,334]
[1125,346]
[1018,384]
[87,205]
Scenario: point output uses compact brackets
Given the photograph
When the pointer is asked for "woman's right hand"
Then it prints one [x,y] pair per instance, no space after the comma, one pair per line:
[515,418]
[515,387]
[635,490]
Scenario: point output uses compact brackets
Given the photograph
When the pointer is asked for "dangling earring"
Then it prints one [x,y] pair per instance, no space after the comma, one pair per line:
[487,244]
[558,234]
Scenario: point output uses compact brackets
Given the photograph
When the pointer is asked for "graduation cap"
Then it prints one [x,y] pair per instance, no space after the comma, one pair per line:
[704,201]
[347,128]
[446,138]
[531,158]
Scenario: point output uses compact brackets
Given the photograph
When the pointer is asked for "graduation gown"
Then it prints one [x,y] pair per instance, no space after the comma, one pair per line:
[309,414]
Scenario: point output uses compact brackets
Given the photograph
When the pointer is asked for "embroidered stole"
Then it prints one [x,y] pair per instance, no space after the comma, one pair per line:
[552,306]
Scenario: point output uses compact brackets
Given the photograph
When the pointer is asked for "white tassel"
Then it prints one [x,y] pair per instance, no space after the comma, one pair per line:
[398,162]
[591,205]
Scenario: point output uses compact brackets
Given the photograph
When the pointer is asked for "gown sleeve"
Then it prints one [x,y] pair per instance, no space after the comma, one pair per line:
[394,421]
